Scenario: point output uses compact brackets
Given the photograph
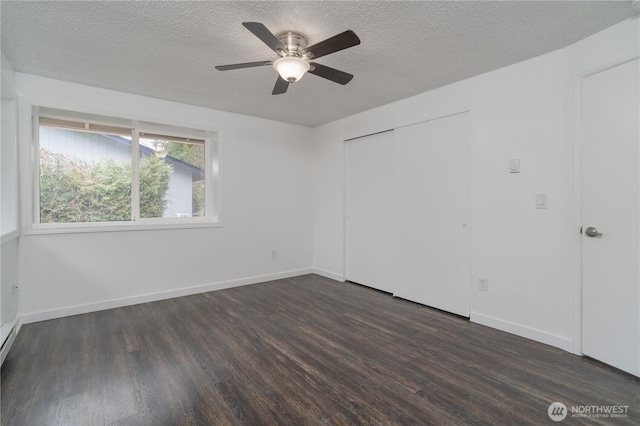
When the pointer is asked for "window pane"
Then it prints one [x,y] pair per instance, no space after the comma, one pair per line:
[171,177]
[84,176]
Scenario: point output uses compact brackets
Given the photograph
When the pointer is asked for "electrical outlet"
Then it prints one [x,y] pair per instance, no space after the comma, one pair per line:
[483,284]
[274,254]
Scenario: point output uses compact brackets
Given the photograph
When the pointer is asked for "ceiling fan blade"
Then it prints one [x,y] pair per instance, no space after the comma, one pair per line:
[329,73]
[244,65]
[267,37]
[281,86]
[334,44]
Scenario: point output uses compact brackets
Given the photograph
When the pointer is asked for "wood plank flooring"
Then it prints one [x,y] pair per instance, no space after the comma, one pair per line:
[306,350]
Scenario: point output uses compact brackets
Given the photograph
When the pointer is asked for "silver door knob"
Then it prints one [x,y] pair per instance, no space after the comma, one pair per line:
[592,232]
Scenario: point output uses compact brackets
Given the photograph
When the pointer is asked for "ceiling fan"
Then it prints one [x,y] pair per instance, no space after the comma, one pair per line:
[295,56]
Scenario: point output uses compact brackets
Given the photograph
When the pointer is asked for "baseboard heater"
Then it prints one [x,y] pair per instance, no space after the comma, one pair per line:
[7,342]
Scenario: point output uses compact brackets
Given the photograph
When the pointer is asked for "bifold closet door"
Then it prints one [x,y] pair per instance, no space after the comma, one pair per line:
[369,228]
[432,211]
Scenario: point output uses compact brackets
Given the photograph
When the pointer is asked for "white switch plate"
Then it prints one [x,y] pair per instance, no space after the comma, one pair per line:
[514,165]
[483,284]
[541,201]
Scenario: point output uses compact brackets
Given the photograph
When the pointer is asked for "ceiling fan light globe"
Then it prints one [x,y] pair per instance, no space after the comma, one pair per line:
[291,68]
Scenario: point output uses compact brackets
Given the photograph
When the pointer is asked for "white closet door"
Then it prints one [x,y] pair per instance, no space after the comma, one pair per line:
[611,205]
[370,211]
[432,210]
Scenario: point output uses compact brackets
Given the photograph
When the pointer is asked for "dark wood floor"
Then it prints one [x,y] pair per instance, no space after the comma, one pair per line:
[306,350]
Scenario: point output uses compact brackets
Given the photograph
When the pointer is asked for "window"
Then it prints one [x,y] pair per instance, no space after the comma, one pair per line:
[95,173]
[173,166]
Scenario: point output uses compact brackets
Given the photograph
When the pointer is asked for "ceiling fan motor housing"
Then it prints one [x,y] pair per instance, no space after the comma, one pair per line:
[295,43]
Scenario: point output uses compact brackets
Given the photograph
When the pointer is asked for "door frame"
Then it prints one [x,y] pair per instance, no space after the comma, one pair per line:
[577,186]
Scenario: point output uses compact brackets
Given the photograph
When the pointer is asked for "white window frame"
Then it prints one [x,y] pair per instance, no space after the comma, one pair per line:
[213,178]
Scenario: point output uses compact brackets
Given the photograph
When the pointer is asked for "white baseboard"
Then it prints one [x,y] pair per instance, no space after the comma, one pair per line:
[330,275]
[524,331]
[153,297]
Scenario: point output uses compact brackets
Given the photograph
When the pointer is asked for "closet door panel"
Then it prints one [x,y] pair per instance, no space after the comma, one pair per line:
[369,175]
[432,211]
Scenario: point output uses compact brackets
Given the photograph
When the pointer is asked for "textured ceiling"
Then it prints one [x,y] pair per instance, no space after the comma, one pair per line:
[168,50]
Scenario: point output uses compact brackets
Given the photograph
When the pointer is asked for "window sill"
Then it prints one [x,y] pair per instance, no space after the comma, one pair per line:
[120,227]
[11,235]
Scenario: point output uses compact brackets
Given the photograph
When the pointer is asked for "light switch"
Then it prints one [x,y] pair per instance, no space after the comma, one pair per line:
[514,165]
[541,201]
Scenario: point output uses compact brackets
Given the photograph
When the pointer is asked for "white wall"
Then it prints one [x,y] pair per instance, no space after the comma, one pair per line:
[267,180]
[522,111]
[9,277]
[9,200]
[8,164]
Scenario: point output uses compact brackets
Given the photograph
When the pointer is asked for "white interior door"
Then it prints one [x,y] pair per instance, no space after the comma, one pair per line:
[370,211]
[432,210]
[610,196]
